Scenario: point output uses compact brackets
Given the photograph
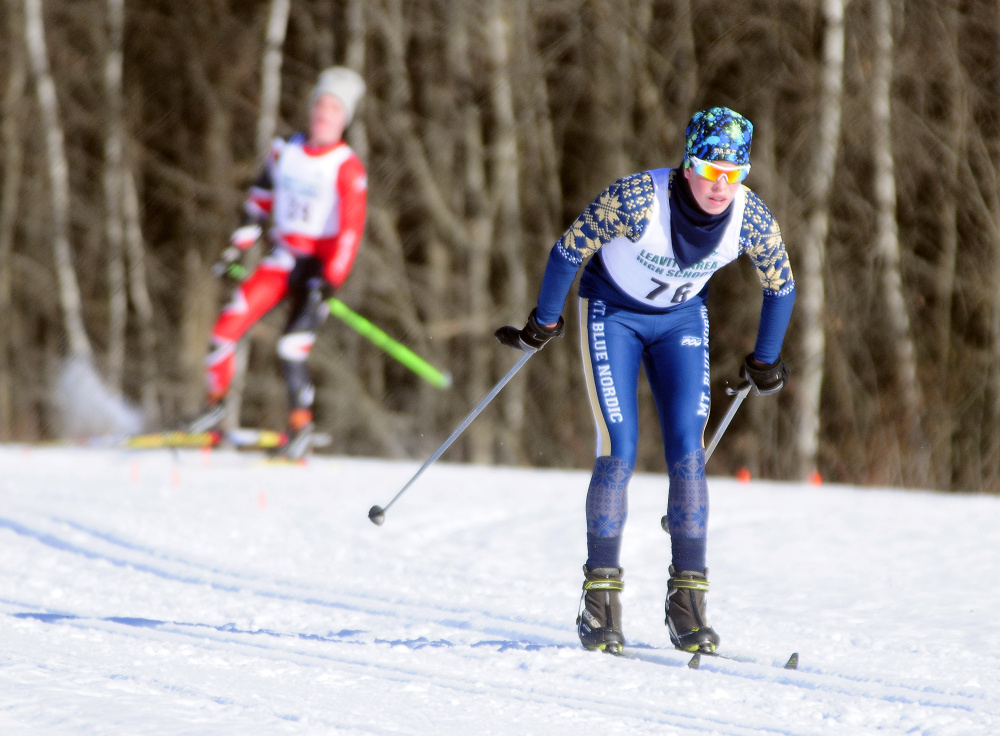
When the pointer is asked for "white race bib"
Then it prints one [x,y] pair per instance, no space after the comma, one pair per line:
[647,270]
[306,200]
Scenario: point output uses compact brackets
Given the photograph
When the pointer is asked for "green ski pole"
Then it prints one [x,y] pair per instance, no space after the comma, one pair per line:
[397,350]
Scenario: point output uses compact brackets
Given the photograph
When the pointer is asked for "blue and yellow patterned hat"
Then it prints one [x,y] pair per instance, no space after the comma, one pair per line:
[718,134]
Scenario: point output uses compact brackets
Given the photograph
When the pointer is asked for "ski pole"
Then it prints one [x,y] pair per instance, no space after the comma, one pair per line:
[395,349]
[238,272]
[377,513]
[739,393]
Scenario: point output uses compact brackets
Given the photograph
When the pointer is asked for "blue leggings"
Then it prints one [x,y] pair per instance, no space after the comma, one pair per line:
[673,350]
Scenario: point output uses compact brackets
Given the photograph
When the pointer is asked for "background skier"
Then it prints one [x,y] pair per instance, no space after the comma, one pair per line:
[656,238]
[313,189]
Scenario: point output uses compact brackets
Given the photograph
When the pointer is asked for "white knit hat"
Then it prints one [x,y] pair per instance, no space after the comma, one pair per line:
[344,84]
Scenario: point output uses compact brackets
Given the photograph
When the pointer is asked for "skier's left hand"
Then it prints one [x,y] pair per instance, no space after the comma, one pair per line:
[322,289]
[320,293]
[763,377]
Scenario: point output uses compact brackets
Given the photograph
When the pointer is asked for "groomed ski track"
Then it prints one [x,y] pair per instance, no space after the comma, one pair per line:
[193,592]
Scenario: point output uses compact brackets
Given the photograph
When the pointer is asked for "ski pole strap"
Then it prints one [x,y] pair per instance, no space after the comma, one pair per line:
[395,349]
[605,584]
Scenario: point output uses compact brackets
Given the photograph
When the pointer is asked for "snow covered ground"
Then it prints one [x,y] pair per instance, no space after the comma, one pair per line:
[195,593]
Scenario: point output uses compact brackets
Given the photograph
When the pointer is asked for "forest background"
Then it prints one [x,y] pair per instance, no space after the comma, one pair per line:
[131,131]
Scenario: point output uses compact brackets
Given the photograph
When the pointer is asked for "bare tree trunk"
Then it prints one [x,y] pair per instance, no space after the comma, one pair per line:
[320,17]
[219,162]
[357,136]
[989,465]
[141,300]
[505,192]
[9,205]
[648,94]
[686,47]
[69,289]
[117,295]
[955,154]
[402,126]
[887,246]
[195,324]
[203,205]
[482,434]
[405,300]
[267,124]
[611,94]
[810,263]
[468,231]
[540,141]
[270,75]
[544,219]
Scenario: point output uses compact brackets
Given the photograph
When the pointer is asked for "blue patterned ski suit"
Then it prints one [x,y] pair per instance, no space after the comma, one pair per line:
[639,307]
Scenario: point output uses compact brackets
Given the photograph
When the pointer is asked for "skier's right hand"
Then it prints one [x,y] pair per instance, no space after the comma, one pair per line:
[240,241]
[229,264]
[532,336]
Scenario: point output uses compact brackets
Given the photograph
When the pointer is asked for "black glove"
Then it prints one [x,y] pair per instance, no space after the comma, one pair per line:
[320,288]
[532,336]
[320,292]
[763,377]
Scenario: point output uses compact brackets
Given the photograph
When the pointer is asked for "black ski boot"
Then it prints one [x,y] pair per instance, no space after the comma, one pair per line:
[599,622]
[685,609]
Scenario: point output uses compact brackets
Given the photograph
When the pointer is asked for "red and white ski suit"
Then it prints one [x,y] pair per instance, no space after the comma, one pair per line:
[315,198]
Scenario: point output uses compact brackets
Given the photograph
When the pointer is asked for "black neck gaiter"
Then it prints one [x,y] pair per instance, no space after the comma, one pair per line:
[694,233]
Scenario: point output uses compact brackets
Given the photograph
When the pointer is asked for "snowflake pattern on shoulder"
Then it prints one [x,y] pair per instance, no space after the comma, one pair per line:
[760,238]
[621,210]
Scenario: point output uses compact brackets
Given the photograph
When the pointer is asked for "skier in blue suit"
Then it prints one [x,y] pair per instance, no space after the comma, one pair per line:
[653,240]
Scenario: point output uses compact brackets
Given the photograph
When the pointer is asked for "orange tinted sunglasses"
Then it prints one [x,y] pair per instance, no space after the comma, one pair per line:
[714,171]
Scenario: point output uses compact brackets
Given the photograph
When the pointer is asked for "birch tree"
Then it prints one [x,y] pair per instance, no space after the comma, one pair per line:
[117,292]
[58,170]
[356,22]
[810,263]
[10,135]
[267,124]
[887,247]
[989,469]
[142,301]
[453,202]
[270,75]
[505,188]
[485,129]
[954,151]
[478,242]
